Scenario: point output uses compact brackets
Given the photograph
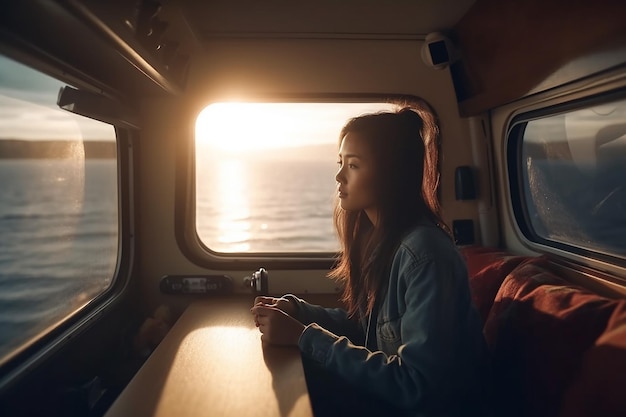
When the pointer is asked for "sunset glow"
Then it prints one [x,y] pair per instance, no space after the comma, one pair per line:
[239,127]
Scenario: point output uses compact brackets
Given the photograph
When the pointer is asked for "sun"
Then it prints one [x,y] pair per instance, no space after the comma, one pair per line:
[241,127]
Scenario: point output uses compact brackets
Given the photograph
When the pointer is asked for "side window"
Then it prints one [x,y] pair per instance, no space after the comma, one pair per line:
[573,170]
[265,175]
[58,207]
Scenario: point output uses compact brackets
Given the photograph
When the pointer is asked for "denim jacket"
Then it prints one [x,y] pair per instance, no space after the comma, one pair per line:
[429,355]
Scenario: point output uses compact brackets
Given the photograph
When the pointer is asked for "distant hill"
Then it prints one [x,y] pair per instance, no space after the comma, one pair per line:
[43,149]
[308,152]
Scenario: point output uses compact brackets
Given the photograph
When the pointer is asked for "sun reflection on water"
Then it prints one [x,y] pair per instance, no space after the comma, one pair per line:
[232,222]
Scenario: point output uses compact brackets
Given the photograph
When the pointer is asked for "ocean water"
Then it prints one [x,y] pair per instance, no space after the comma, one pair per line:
[59,227]
[260,205]
[58,241]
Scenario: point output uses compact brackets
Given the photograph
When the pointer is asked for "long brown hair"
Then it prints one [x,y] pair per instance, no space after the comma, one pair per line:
[406,145]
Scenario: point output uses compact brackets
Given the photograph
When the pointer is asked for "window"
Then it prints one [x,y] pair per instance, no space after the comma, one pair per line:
[265,175]
[572,170]
[58,207]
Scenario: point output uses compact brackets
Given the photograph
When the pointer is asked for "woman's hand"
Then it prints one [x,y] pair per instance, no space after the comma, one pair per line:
[276,326]
[280,303]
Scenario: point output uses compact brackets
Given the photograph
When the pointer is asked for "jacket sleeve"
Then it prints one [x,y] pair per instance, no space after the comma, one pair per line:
[332,319]
[428,361]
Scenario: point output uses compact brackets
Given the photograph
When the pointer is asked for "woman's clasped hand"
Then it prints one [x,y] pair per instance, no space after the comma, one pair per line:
[274,318]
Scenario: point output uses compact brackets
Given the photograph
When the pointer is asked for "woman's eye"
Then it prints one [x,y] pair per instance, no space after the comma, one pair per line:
[351,166]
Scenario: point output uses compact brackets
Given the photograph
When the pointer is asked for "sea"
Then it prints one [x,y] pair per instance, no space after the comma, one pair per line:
[58,245]
[59,227]
[266,205]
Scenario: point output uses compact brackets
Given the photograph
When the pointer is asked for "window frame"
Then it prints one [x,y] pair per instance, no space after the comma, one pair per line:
[187,238]
[515,171]
[42,346]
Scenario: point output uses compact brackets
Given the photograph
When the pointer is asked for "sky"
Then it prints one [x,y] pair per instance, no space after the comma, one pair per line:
[28,108]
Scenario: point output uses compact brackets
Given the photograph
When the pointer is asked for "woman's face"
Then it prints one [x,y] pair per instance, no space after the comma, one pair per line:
[355,178]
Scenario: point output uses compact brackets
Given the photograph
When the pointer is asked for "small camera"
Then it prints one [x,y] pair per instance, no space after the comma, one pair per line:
[258,281]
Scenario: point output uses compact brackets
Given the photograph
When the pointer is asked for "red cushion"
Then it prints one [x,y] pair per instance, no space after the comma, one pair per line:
[479,257]
[599,387]
[538,329]
[487,268]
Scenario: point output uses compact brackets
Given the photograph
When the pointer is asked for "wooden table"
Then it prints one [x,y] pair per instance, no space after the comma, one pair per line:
[212,363]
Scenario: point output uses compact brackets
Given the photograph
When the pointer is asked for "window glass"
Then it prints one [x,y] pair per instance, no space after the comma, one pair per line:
[574,171]
[265,174]
[58,207]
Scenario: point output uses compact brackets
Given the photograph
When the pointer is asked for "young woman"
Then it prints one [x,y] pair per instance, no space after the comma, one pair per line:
[410,336]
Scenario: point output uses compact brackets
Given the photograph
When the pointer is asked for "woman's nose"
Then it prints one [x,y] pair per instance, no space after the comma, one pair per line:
[339,176]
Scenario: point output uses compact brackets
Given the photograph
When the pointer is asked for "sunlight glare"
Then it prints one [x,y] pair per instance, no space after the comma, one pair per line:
[236,127]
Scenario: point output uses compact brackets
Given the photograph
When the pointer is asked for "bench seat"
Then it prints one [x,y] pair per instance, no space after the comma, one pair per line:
[558,349]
